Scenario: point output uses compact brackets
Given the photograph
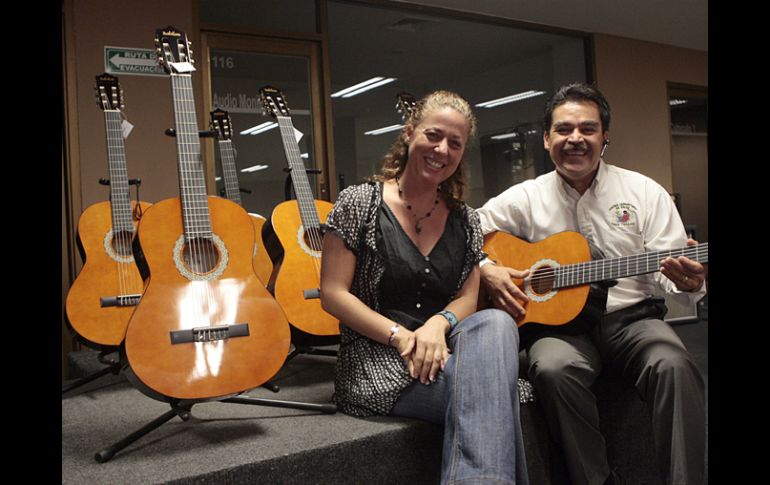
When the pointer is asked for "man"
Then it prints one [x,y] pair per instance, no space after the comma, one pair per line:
[620,213]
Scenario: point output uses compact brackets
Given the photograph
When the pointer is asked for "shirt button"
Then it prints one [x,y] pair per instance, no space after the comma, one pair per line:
[418,305]
[427,258]
[427,270]
[423,284]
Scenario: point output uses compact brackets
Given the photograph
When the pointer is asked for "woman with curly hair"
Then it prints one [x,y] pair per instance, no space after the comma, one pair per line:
[400,271]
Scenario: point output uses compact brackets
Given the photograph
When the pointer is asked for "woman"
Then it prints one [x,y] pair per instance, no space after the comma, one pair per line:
[400,271]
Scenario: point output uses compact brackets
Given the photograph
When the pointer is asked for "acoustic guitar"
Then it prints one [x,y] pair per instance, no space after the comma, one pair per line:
[206,327]
[297,226]
[102,297]
[222,124]
[561,271]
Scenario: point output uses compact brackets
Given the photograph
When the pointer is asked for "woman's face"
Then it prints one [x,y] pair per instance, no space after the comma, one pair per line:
[437,144]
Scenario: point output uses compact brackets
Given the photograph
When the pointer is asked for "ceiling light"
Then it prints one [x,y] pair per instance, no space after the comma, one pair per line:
[676,102]
[256,130]
[364,86]
[504,136]
[386,129]
[253,168]
[509,99]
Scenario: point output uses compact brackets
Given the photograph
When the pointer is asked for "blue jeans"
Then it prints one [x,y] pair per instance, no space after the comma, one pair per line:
[476,400]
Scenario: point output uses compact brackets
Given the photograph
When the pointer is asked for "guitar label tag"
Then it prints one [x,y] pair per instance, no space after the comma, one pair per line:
[126,127]
[298,135]
[182,67]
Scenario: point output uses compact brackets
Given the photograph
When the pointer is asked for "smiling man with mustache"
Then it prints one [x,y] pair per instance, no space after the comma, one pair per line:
[620,213]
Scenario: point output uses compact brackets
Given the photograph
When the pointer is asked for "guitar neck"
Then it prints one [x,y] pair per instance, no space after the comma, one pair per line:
[192,183]
[120,200]
[305,198]
[624,266]
[227,156]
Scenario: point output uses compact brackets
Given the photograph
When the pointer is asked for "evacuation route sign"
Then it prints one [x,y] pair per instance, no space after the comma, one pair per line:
[125,60]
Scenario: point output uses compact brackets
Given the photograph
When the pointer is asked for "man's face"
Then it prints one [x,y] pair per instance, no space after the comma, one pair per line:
[575,140]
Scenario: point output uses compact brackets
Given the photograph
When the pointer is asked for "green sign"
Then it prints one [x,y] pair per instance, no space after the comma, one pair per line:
[125,60]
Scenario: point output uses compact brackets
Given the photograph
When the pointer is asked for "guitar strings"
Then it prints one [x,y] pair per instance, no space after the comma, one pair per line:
[305,199]
[194,198]
[120,207]
[600,269]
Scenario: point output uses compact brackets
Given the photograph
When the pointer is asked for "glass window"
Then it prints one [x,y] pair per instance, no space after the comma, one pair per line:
[260,159]
[480,61]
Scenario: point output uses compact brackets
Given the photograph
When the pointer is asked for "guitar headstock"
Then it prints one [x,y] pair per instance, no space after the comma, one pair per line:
[405,105]
[221,122]
[173,49]
[273,101]
[109,96]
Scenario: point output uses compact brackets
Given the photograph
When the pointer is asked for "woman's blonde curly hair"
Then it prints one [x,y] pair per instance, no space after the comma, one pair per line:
[394,162]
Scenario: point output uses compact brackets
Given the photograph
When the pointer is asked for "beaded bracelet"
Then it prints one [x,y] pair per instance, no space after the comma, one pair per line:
[450,317]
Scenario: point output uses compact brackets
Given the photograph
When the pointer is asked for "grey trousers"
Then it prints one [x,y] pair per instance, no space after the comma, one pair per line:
[648,353]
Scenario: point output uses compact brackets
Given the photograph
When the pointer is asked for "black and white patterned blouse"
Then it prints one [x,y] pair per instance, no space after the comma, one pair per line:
[369,375]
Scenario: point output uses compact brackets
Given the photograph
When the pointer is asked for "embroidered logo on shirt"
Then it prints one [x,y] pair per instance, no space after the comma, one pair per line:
[623,215]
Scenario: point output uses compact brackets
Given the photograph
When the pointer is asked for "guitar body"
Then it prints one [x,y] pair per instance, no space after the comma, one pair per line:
[546,306]
[297,268]
[263,265]
[231,294]
[109,270]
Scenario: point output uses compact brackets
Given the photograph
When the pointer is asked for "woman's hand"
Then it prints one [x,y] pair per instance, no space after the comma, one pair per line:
[430,350]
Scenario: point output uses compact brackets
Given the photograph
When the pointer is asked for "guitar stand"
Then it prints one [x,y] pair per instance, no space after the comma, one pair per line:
[113,367]
[182,409]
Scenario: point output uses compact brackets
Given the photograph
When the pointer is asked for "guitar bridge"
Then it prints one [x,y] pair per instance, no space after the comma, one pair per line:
[209,334]
[119,300]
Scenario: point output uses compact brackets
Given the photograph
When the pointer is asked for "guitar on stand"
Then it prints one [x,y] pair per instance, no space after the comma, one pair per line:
[103,296]
[561,271]
[206,327]
[222,124]
[297,226]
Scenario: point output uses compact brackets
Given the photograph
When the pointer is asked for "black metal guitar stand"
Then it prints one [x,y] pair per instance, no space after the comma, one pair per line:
[113,367]
[183,408]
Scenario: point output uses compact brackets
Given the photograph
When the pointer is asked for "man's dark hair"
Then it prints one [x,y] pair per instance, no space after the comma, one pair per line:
[579,92]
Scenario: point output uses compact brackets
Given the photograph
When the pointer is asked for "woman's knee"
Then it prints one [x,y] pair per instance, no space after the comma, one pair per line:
[494,324]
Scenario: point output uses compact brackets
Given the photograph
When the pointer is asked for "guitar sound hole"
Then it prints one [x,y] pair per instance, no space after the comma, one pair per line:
[313,238]
[200,255]
[542,280]
[121,243]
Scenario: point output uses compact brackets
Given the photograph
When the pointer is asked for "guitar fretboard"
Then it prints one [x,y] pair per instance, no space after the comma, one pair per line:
[613,268]
[120,200]
[192,183]
[227,156]
[305,200]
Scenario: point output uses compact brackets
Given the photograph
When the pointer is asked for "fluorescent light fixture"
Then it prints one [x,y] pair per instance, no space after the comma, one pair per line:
[217,179]
[504,136]
[509,99]
[675,102]
[304,155]
[253,168]
[359,88]
[256,130]
[386,129]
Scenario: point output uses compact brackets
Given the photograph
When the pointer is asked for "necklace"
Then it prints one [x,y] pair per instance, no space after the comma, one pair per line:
[417,226]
